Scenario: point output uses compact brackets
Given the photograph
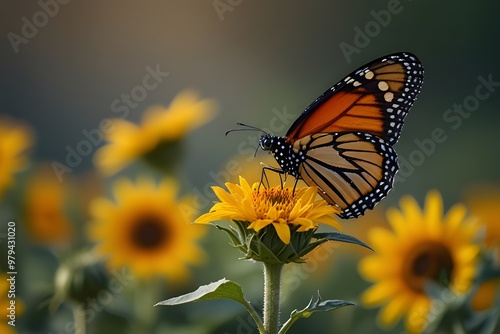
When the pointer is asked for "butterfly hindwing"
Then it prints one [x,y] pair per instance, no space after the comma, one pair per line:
[353,171]
[373,99]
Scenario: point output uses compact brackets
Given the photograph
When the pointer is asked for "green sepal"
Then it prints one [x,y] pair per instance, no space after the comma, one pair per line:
[341,237]
[232,234]
[316,304]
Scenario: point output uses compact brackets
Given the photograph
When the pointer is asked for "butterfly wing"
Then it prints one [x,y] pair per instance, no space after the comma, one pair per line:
[374,99]
[353,170]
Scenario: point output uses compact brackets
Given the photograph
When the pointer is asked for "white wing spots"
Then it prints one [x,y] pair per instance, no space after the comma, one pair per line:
[383,86]
[388,96]
[356,83]
[369,75]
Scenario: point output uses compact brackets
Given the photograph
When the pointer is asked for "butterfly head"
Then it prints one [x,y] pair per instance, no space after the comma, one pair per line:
[266,142]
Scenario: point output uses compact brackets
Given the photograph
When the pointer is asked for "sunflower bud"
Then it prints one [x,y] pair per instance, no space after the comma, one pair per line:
[78,279]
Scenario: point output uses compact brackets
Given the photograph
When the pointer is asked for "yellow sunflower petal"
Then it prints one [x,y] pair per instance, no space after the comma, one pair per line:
[379,293]
[382,240]
[417,315]
[454,217]
[260,224]
[369,268]
[283,231]
[411,210]
[433,213]
[395,309]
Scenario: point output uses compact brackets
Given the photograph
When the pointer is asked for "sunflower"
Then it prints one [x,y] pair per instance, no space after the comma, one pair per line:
[147,229]
[46,219]
[161,131]
[280,207]
[422,246]
[15,139]
[484,203]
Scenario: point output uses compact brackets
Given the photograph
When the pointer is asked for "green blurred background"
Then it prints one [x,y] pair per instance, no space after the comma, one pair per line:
[257,59]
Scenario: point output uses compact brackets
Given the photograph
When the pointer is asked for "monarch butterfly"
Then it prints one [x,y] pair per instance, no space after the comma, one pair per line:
[342,143]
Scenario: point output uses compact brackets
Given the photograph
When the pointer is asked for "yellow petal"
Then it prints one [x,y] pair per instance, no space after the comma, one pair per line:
[375,268]
[222,195]
[283,231]
[433,213]
[379,293]
[395,309]
[259,224]
[411,210]
[417,315]
[382,240]
[453,219]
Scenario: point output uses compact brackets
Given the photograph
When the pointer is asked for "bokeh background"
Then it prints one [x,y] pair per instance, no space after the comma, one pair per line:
[258,61]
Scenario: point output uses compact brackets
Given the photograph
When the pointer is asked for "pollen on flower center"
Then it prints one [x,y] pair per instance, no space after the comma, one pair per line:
[428,261]
[281,199]
[149,233]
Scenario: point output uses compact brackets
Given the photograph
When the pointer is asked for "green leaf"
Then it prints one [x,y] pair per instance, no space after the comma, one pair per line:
[222,289]
[337,236]
[316,304]
[319,305]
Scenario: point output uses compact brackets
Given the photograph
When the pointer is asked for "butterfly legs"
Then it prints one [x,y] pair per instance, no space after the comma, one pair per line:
[282,174]
[264,179]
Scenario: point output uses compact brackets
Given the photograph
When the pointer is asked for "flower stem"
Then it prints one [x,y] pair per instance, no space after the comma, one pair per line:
[272,290]
[79,319]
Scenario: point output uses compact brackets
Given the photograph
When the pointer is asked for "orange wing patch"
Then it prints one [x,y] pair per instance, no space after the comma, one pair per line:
[355,111]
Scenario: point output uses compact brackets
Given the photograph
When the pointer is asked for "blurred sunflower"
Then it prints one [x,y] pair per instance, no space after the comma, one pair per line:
[147,230]
[15,139]
[484,203]
[279,207]
[422,246]
[46,218]
[158,138]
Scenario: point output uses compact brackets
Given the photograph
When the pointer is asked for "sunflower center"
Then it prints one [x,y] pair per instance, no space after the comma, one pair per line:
[281,199]
[428,261]
[149,232]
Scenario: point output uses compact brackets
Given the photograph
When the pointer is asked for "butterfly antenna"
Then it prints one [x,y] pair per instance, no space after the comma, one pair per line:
[246,127]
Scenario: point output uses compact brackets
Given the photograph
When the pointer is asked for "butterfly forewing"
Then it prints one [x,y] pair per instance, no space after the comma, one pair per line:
[374,99]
